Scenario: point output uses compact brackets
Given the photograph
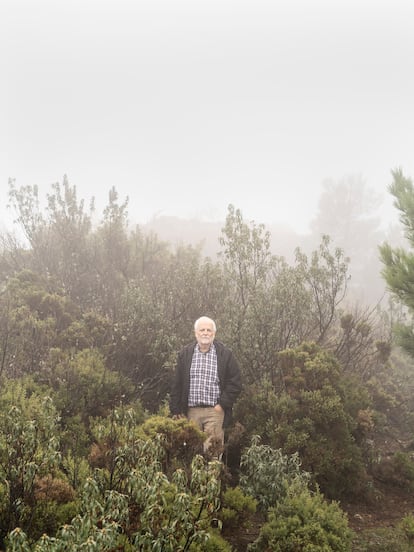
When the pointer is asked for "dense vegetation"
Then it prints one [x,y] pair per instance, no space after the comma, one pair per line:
[91,319]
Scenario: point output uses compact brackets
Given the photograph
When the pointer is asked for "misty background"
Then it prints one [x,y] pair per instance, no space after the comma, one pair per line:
[294,112]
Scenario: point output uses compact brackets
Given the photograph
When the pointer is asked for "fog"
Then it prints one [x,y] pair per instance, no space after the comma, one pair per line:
[188,106]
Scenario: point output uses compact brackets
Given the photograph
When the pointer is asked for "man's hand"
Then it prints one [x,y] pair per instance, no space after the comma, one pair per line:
[219,408]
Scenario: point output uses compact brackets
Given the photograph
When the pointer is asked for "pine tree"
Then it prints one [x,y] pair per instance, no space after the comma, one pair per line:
[398,270]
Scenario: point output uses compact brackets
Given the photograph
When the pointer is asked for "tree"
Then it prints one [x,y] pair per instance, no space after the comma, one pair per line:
[398,263]
[59,243]
[326,277]
[32,321]
[247,259]
[249,311]
[270,305]
[112,257]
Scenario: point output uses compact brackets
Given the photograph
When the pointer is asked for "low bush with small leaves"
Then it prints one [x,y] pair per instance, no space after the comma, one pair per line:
[236,508]
[303,520]
[214,543]
[382,539]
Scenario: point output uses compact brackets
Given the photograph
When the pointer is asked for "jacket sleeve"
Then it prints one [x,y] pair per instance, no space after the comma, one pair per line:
[180,382]
[232,385]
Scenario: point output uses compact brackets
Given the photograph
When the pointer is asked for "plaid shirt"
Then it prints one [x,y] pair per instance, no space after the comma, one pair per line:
[204,382]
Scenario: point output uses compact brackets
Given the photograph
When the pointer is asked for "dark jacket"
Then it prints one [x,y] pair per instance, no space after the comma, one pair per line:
[229,380]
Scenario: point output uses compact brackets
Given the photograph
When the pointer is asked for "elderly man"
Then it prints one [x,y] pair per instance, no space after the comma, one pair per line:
[207,382]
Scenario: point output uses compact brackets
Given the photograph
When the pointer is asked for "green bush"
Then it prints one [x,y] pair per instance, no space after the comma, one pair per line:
[304,521]
[48,517]
[266,473]
[382,539]
[407,525]
[181,439]
[236,507]
[214,543]
[315,415]
[29,450]
[397,470]
[154,513]
[404,469]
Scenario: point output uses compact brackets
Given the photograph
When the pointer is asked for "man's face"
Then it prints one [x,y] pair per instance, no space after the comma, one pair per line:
[205,334]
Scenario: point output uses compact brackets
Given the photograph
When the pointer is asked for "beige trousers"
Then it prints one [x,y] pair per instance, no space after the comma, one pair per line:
[211,422]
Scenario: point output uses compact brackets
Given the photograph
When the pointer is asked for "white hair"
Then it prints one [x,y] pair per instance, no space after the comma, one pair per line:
[204,319]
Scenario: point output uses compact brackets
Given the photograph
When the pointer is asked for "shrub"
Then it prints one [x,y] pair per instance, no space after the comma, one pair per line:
[29,450]
[397,470]
[381,539]
[181,441]
[267,473]
[48,517]
[404,469]
[236,507]
[304,521]
[53,489]
[407,525]
[214,543]
[155,514]
[314,414]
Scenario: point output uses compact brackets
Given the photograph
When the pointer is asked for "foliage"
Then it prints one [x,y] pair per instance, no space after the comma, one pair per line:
[76,469]
[60,242]
[271,305]
[94,314]
[83,383]
[398,263]
[397,470]
[116,450]
[382,539]
[33,320]
[316,416]
[404,469]
[181,439]
[96,528]
[49,516]
[214,543]
[363,345]
[29,450]
[325,274]
[120,290]
[246,250]
[236,508]
[407,525]
[266,473]
[153,512]
[178,513]
[303,520]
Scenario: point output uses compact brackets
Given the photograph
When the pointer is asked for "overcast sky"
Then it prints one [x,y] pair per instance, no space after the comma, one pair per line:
[187,106]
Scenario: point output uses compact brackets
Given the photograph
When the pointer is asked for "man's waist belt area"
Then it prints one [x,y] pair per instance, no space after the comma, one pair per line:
[202,406]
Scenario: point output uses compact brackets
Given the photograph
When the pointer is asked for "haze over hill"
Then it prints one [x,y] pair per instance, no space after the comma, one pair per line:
[348,212]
